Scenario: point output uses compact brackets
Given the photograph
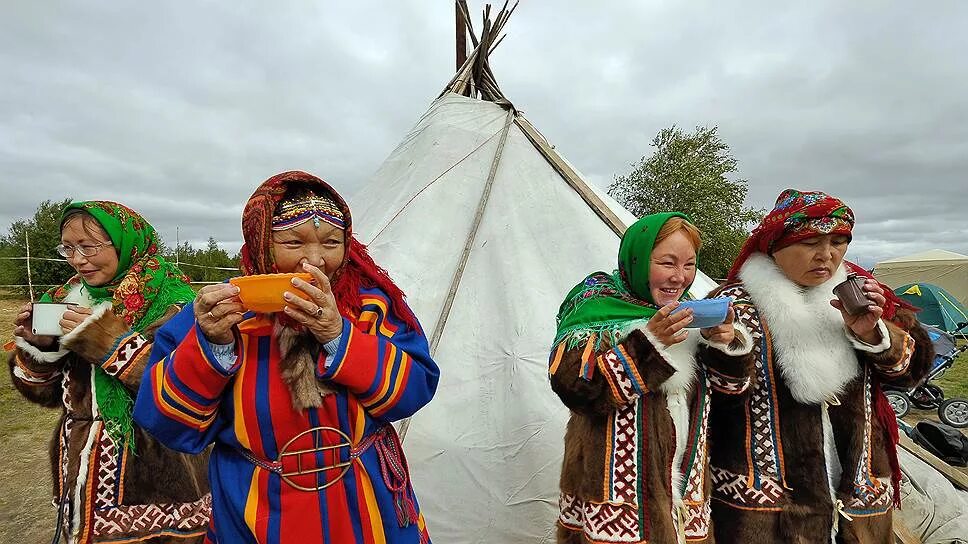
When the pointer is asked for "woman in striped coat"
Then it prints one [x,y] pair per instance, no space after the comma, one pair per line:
[298,403]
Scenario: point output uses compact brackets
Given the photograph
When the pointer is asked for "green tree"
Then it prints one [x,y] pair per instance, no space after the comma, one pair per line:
[43,232]
[687,173]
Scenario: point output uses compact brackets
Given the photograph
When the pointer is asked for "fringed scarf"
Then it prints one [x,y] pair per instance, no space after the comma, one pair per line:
[603,306]
[143,289]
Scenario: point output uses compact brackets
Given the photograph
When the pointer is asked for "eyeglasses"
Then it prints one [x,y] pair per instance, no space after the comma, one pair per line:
[86,250]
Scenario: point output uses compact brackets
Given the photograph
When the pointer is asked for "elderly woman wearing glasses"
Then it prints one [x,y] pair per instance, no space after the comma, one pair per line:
[298,403]
[111,480]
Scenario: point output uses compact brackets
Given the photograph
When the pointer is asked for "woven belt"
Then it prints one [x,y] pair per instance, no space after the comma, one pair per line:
[316,433]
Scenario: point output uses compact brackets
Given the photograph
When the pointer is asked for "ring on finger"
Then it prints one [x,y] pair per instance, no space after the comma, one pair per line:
[210,314]
[319,312]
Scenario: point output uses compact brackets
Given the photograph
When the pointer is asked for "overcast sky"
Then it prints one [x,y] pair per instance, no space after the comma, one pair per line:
[180,109]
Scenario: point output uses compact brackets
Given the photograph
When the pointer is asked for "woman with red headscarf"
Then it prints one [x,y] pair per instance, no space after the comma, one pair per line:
[810,454]
[298,403]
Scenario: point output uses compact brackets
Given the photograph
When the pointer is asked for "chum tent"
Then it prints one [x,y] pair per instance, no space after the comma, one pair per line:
[486,227]
[945,269]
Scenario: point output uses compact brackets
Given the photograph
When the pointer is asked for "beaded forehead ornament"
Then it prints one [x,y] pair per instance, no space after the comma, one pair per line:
[293,213]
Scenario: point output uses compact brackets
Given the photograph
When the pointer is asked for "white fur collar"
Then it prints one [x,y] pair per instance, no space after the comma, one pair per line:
[681,357]
[812,350]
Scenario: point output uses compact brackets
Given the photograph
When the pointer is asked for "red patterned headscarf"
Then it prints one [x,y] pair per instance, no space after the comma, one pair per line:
[796,216]
[355,272]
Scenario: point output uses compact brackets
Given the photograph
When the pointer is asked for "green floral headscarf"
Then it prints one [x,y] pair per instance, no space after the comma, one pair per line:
[605,304]
[143,289]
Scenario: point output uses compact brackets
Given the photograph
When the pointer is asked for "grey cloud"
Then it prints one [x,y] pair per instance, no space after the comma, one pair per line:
[180,112]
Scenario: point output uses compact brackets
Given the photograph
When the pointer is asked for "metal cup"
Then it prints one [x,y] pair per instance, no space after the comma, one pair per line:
[852,295]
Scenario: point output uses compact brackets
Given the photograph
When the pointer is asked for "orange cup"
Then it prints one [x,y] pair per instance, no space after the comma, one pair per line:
[263,292]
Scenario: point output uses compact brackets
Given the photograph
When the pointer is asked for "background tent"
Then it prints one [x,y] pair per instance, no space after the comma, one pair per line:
[945,269]
[933,509]
[486,227]
[938,307]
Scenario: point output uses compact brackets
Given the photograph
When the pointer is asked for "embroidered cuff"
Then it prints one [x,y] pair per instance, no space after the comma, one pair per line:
[726,384]
[623,378]
[126,351]
[31,377]
[742,344]
[859,344]
[327,369]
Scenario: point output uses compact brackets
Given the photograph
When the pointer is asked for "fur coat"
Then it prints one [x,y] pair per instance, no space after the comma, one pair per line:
[804,458]
[635,464]
[108,493]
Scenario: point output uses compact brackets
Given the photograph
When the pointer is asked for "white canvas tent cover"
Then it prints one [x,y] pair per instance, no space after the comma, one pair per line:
[931,506]
[946,269]
[486,227]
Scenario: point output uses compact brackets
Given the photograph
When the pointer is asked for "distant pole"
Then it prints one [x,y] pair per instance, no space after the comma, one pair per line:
[177,246]
[30,281]
[461,35]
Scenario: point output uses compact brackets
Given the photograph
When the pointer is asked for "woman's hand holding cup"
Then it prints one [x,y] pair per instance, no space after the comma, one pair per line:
[23,327]
[319,314]
[864,325]
[667,326]
[73,316]
[217,310]
[724,333]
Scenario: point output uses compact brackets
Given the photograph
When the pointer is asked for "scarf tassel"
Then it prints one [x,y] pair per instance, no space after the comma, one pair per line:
[587,359]
[115,405]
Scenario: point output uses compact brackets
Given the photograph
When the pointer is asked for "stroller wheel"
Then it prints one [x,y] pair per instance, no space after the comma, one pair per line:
[954,412]
[900,402]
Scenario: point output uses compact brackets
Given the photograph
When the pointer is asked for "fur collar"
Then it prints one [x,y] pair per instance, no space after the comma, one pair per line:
[299,367]
[681,357]
[813,353]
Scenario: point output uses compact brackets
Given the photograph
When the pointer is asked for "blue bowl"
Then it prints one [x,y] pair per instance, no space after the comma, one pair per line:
[707,312]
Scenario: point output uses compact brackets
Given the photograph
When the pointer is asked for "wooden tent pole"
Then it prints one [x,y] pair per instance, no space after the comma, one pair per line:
[465,254]
[461,35]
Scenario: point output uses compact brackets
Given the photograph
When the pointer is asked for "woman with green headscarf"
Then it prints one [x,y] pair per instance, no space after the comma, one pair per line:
[623,360]
[111,480]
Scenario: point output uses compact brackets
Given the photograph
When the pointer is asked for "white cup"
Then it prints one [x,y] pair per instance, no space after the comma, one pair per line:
[46,318]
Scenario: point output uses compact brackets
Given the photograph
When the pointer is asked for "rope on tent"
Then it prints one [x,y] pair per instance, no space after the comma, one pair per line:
[465,254]
[570,176]
[429,184]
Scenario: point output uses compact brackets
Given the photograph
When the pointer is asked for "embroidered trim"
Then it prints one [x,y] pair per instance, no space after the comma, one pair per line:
[726,384]
[149,520]
[623,378]
[902,364]
[734,489]
[127,351]
[25,374]
[601,522]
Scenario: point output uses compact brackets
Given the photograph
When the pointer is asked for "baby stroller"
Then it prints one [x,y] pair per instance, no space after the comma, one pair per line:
[928,396]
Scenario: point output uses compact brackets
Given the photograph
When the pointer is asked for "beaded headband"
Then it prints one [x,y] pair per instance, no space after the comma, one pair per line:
[293,213]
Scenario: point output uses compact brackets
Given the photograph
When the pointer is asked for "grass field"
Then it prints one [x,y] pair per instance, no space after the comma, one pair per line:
[26,514]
